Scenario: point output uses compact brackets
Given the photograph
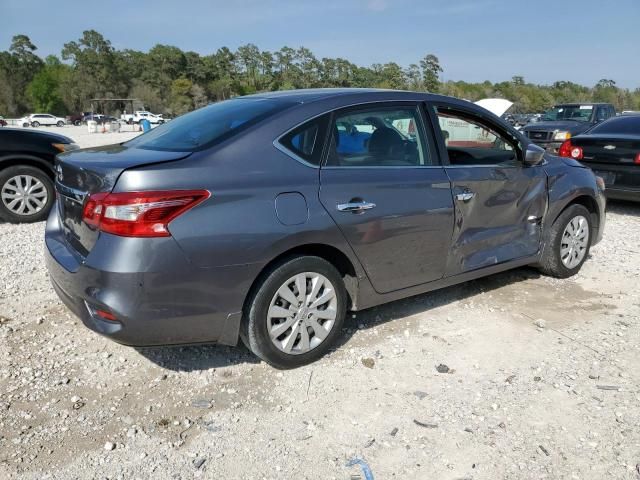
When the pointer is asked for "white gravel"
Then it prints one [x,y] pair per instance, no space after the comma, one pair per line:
[542,382]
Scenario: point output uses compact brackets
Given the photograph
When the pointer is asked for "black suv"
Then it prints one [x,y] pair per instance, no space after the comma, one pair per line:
[27,173]
[567,120]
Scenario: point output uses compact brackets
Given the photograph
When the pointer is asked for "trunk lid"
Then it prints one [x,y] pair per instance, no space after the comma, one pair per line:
[83,172]
[608,148]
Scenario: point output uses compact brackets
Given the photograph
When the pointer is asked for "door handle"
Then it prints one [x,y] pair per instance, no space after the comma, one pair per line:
[465,196]
[355,207]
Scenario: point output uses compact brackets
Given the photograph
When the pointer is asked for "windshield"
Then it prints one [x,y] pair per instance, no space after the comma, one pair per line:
[578,113]
[201,128]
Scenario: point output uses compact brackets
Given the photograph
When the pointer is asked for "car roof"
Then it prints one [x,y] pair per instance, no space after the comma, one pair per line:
[314,94]
[575,104]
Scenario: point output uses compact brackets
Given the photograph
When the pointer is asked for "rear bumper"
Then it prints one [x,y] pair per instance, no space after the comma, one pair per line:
[622,182]
[156,295]
[629,194]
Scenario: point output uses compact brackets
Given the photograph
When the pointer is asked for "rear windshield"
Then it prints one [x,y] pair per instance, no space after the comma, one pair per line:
[619,125]
[204,127]
[579,113]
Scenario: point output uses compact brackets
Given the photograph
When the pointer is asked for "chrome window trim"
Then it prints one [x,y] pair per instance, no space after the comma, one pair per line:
[286,151]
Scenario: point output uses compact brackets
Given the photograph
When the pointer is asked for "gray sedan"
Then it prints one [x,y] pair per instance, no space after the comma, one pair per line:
[266,218]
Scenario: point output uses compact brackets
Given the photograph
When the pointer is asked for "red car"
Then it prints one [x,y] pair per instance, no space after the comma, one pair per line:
[3,122]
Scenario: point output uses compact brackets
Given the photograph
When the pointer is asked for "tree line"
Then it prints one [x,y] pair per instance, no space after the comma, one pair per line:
[167,80]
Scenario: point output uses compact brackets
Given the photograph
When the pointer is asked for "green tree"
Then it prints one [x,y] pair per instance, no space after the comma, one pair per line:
[44,90]
[431,70]
[181,101]
[20,65]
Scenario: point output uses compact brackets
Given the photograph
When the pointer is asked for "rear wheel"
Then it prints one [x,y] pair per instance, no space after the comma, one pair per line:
[568,244]
[26,194]
[296,313]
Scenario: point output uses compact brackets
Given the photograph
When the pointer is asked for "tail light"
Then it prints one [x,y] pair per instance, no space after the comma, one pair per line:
[139,214]
[570,151]
[637,159]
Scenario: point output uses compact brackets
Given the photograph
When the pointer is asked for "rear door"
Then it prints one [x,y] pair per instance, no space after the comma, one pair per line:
[499,203]
[385,189]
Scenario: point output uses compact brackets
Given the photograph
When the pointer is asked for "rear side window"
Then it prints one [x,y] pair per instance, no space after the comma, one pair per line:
[307,140]
[212,124]
[619,125]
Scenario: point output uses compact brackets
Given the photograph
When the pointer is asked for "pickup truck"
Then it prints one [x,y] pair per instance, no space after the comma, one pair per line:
[139,115]
[564,121]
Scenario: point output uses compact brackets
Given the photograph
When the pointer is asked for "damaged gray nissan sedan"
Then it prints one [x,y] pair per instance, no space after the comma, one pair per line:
[266,218]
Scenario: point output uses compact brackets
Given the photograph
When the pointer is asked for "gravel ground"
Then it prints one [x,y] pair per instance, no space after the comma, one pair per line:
[515,376]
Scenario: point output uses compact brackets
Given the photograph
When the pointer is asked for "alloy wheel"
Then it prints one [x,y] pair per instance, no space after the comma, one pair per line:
[302,313]
[574,242]
[24,195]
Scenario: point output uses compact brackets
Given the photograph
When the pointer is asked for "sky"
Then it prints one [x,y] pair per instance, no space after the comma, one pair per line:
[476,40]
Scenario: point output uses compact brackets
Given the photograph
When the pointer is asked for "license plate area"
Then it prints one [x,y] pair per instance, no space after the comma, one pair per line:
[608,177]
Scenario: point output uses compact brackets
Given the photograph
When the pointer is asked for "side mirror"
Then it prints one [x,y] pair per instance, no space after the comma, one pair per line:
[533,155]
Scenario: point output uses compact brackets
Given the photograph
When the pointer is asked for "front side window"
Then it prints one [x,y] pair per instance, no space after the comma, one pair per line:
[602,114]
[378,137]
[204,127]
[470,140]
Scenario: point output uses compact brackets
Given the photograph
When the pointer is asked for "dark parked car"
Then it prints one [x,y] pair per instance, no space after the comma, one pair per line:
[268,217]
[612,150]
[26,173]
[78,118]
[3,122]
[565,121]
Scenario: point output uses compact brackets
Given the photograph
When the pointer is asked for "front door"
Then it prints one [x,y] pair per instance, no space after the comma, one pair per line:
[384,188]
[499,202]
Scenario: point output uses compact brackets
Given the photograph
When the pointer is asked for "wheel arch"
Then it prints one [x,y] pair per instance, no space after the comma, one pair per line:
[28,160]
[590,204]
[331,254]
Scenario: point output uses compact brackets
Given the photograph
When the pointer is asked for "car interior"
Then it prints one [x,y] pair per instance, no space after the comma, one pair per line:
[376,138]
[472,142]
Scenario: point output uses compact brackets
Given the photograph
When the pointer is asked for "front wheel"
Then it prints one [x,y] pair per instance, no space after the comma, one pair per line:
[26,194]
[568,244]
[296,313]
[60,124]
[35,124]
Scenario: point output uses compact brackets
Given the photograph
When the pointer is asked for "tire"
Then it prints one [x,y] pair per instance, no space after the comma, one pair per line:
[25,124]
[35,124]
[7,191]
[60,124]
[77,123]
[554,261]
[257,321]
